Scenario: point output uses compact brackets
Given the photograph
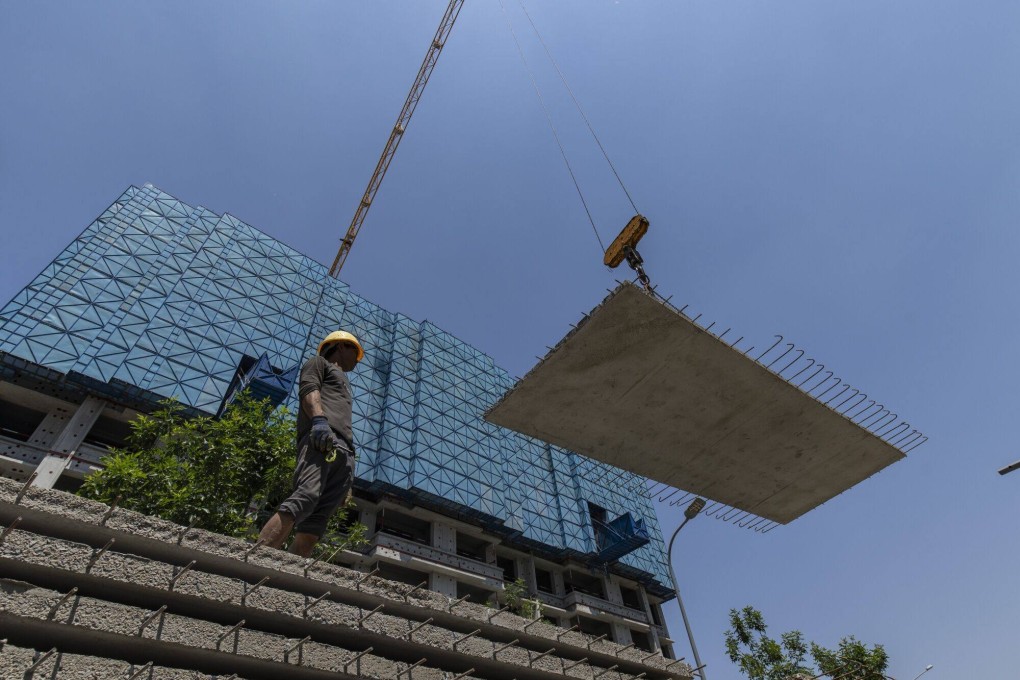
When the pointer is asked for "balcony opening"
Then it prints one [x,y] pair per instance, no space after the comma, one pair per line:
[656,613]
[641,640]
[544,581]
[474,593]
[18,422]
[593,626]
[403,526]
[471,547]
[509,567]
[584,583]
[631,598]
[667,651]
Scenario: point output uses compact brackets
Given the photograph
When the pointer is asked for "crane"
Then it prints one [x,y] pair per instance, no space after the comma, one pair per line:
[442,33]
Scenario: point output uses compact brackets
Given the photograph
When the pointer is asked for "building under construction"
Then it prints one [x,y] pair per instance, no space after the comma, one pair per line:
[159,299]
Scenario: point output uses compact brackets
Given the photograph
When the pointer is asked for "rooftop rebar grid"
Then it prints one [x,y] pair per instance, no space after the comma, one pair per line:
[793,365]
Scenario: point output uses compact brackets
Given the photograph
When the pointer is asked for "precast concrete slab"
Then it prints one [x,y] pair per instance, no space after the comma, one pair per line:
[641,387]
[60,538]
[56,664]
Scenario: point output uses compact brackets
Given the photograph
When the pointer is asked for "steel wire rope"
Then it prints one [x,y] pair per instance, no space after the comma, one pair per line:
[580,110]
[552,126]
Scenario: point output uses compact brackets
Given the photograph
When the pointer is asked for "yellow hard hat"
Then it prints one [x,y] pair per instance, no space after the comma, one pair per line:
[338,336]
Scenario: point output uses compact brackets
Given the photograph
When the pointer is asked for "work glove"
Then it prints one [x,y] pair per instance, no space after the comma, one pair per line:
[322,434]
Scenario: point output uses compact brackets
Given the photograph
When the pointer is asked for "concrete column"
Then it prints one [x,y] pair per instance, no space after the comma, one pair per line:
[612,588]
[559,586]
[621,634]
[444,537]
[490,553]
[65,444]
[440,583]
[368,517]
[646,607]
[51,427]
[526,568]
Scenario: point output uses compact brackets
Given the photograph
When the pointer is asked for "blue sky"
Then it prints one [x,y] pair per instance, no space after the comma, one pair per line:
[846,173]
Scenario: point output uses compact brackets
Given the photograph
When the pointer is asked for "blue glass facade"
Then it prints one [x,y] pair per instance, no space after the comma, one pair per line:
[156,297]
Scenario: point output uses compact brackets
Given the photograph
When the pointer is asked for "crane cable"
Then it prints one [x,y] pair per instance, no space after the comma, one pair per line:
[578,105]
[552,126]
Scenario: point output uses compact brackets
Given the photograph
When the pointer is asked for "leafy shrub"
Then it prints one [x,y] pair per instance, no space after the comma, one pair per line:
[227,474]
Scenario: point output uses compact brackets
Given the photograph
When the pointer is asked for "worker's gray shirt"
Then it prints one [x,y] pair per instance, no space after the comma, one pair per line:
[335,393]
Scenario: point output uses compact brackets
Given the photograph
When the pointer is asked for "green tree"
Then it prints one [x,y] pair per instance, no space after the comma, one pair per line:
[515,593]
[226,474]
[759,656]
[851,660]
[763,658]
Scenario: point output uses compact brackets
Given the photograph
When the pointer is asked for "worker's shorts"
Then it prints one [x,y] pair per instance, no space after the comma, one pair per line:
[319,487]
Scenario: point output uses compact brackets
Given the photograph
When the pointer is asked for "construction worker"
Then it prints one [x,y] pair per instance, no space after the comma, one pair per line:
[325,462]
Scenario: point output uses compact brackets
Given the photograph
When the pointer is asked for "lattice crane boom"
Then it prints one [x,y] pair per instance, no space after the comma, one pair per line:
[442,33]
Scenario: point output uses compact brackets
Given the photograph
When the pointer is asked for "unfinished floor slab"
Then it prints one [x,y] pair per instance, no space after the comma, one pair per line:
[58,542]
[639,386]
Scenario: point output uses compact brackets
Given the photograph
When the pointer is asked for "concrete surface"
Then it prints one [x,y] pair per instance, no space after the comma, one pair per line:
[117,589]
[639,386]
[56,513]
[15,662]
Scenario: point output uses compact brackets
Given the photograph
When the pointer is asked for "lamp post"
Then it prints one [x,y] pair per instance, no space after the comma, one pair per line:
[690,513]
[926,669]
[1005,471]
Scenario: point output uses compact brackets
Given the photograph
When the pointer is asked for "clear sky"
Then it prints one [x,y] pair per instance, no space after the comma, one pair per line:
[844,172]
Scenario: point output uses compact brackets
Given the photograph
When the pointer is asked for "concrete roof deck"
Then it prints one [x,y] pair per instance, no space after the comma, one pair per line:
[639,386]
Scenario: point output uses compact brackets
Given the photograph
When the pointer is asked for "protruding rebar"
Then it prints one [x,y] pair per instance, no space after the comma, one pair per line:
[532,661]
[356,657]
[364,578]
[311,563]
[149,619]
[600,637]
[498,612]
[255,546]
[31,669]
[454,603]
[506,646]
[138,673]
[230,631]
[317,600]
[464,674]
[8,530]
[25,486]
[249,591]
[297,645]
[529,625]
[96,555]
[60,603]
[624,649]
[183,532]
[567,667]
[361,621]
[109,512]
[184,570]
[779,339]
[421,625]
[462,638]
[568,630]
[411,667]
[412,591]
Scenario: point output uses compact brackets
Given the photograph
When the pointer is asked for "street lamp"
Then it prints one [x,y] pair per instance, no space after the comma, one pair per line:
[690,513]
[1010,468]
[926,669]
